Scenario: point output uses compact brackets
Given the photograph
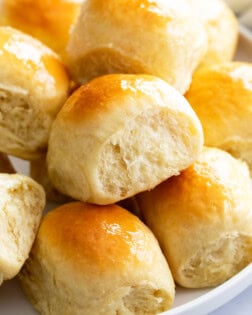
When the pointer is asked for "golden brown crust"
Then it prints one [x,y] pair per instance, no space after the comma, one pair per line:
[162,39]
[102,259]
[49,21]
[221,96]
[157,13]
[41,68]
[113,233]
[103,94]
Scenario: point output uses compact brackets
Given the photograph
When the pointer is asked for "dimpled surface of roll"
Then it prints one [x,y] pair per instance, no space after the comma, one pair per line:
[102,260]
[33,87]
[49,21]
[203,219]
[159,37]
[21,206]
[119,135]
[221,27]
[221,96]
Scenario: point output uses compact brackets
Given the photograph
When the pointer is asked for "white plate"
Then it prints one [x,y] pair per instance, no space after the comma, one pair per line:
[188,301]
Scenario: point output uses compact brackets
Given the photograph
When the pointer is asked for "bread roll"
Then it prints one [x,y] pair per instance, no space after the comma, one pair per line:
[5,164]
[203,219]
[119,135]
[221,27]
[221,95]
[21,204]
[158,37]
[49,21]
[89,259]
[33,87]
[38,171]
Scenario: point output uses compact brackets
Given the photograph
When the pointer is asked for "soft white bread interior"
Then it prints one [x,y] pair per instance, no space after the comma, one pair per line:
[159,37]
[38,172]
[90,259]
[221,27]
[33,87]
[6,165]
[119,135]
[49,21]
[21,204]
[221,96]
[203,219]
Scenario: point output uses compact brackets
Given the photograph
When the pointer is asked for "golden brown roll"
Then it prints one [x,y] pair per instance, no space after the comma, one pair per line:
[49,21]
[119,135]
[33,87]
[38,171]
[6,165]
[21,204]
[156,37]
[221,27]
[221,95]
[89,259]
[203,219]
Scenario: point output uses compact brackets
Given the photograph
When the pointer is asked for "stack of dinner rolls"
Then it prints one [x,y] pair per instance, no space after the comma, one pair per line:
[119,105]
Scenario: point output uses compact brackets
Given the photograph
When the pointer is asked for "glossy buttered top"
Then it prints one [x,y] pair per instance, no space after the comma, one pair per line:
[28,65]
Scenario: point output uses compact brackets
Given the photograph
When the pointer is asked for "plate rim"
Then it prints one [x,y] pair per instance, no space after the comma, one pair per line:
[216,297]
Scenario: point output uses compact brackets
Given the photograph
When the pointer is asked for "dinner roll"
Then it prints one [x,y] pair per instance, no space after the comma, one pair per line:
[221,27]
[221,95]
[21,204]
[38,171]
[89,259]
[159,37]
[203,219]
[119,135]
[5,164]
[49,21]
[33,87]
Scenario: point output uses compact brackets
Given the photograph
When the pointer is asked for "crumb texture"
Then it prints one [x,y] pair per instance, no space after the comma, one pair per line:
[21,205]
[218,262]
[24,127]
[151,148]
